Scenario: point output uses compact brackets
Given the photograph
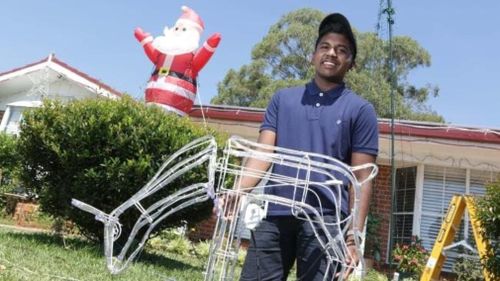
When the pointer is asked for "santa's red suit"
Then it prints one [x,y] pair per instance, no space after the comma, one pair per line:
[173,82]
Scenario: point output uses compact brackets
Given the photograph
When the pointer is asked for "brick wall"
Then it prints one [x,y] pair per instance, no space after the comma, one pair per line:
[25,214]
[381,206]
[203,230]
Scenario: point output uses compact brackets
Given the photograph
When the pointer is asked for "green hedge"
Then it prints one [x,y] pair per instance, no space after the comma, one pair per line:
[488,211]
[9,157]
[9,164]
[102,152]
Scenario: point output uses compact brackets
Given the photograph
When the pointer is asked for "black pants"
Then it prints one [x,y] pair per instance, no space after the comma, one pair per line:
[278,241]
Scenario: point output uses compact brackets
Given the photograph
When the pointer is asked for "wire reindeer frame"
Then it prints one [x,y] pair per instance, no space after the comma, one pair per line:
[250,208]
[245,208]
[200,152]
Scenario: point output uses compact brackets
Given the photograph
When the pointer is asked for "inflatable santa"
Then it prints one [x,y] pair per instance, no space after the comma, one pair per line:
[177,60]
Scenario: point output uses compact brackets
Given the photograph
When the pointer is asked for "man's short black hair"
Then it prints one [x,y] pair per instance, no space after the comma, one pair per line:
[337,23]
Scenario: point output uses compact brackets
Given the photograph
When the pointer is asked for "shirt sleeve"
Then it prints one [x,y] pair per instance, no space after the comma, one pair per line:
[271,116]
[365,133]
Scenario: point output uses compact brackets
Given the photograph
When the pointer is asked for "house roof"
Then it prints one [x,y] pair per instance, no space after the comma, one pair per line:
[401,128]
[56,64]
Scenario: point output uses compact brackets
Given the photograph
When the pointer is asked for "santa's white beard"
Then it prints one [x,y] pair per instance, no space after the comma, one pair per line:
[176,42]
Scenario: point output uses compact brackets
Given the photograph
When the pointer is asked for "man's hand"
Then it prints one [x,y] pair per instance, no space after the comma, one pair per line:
[352,259]
[228,204]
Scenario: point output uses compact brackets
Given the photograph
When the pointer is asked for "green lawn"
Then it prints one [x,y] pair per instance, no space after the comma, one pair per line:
[41,256]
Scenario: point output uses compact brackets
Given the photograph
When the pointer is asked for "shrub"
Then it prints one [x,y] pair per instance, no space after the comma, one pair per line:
[102,152]
[202,250]
[372,241]
[171,240]
[371,275]
[411,258]
[9,165]
[179,245]
[9,157]
[488,212]
[468,268]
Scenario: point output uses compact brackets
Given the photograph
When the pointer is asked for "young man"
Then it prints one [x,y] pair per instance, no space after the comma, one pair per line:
[323,117]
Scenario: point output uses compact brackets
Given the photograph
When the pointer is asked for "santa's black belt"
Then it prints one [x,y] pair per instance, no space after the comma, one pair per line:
[175,74]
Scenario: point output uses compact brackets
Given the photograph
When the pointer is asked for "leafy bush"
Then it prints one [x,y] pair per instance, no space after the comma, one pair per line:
[102,152]
[202,250]
[468,268]
[9,157]
[371,275]
[372,241]
[411,258]
[374,275]
[179,245]
[9,165]
[488,212]
[171,240]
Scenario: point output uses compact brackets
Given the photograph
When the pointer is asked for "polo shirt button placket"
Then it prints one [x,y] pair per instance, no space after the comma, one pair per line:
[318,104]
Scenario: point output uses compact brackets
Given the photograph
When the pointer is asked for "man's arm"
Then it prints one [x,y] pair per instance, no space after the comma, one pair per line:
[366,190]
[248,182]
[254,165]
[364,203]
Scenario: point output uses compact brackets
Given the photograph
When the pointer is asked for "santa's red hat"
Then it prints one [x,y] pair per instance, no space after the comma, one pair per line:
[191,18]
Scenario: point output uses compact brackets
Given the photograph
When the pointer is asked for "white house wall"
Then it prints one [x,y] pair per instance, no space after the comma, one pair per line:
[63,90]
[15,98]
[440,152]
[67,90]
[434,155]
[27,87]
[77,79]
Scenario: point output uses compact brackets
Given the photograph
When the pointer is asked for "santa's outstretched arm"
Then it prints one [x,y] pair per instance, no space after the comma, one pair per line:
[146,41]
[205,52]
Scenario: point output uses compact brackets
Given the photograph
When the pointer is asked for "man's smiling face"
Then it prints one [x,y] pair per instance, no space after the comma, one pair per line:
[332,58]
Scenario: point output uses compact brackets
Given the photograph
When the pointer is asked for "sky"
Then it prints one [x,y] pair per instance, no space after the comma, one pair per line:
[96,37]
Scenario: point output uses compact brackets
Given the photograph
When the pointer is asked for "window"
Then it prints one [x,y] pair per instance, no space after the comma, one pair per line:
[405,198]
[14,116]
[440,184]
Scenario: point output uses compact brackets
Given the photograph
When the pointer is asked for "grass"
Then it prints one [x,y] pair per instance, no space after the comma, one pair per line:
[42,256]
[36,220]
[6,220]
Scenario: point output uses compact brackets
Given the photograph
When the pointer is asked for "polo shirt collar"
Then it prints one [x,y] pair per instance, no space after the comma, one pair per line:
[313,89]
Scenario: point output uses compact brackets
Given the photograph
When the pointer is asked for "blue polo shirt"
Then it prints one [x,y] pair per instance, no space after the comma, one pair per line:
[335,123]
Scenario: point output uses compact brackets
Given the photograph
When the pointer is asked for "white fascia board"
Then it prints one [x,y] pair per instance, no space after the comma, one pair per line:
[26,104]
[23,71]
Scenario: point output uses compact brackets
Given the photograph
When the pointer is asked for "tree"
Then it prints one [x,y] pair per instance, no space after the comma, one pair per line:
[282,59]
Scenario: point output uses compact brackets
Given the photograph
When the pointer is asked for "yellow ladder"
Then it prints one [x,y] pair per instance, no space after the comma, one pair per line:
[450,226]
